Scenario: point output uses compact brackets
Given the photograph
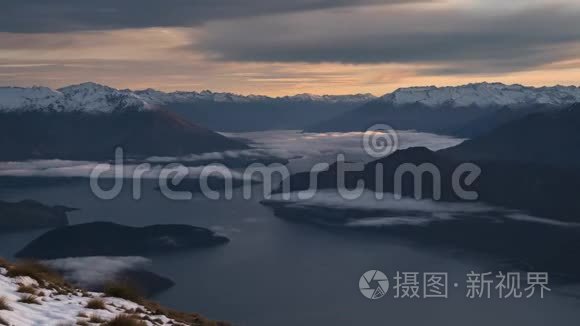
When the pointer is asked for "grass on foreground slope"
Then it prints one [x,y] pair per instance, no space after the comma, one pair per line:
[51,286]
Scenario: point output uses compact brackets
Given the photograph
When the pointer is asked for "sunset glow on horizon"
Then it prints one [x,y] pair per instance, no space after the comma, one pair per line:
[319,47]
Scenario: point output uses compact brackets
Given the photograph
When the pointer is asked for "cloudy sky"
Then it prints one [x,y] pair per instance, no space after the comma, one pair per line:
[279,47]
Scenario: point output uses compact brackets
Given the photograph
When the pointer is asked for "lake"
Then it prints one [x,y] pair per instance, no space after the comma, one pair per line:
[275,272]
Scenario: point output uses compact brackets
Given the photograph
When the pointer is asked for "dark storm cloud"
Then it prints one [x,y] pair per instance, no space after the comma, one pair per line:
[77,15]
[460,40]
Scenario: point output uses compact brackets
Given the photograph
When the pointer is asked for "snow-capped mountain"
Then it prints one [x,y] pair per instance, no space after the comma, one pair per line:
[465,111]
[96,98]
[87,97]
[43,122]
[484,95]
[93,97]
[12,98]
[355,98]
[159,98]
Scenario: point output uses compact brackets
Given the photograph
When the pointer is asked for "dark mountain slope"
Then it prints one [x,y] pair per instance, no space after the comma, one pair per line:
[94,136]
[532,188]
[547,138]
[444,120]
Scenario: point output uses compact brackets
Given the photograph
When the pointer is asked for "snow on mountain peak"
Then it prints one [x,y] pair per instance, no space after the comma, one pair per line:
[86,97]
[484,95]
[355,98]
[12,98]
[100,98]
[96,98]
[158,97]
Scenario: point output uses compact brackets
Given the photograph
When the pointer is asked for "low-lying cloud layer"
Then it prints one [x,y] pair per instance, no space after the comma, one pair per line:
[80,169]
[258,153]
[90,271]
[368,202]
[288,143]
[408,211]
[268,145]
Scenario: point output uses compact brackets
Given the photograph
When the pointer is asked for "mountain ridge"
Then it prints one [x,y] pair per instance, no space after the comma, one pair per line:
[96,98]
[463,111]
[484,95]
[547,138]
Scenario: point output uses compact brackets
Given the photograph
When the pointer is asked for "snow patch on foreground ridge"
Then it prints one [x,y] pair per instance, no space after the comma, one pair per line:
[61,309]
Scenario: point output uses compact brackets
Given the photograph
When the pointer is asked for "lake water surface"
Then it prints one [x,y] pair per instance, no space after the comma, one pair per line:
[277,273]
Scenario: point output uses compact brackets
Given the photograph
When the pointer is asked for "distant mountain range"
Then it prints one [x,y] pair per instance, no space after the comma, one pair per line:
[529,164]
[86,98]
[88,121]
[214,110]
[95,98]
[466,111]
[525,215]
[483,95]
[236,113]
[42,123]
